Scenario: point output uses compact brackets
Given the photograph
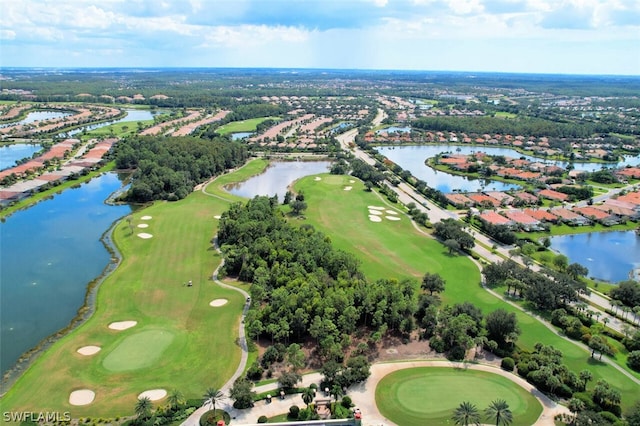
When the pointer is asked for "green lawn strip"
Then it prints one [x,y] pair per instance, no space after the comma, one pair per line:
[242,126]
[148,287]
[118,130]
[429,395]
[397,250]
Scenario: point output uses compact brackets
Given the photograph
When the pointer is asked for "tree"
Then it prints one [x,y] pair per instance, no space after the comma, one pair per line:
[433,283]
[143,407]
[466,414]
[242,394]
[175,399]
[336,391]
[633,414]
[598,344]
[289,379]
[499,411]
[213,396]
[307,396]
[576,270]
[452,245]
[502,326]
[298,206]
[295,356]
[575,405]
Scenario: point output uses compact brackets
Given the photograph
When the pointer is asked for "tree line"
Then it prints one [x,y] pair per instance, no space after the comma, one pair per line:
[169,168]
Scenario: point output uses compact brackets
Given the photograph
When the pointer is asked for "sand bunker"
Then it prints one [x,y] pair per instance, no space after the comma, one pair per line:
[376,212]
[392,218]
[317,178]
[89,350]
[146,217]
[143,225]
[82,397]
[348,188]
[390,212]
[145,236]
[375,208]
[153,394]
[352,181]
[374,218]
[218,302]
[217,216]
[122,325]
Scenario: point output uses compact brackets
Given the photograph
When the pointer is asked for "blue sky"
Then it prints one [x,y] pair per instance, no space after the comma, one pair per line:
[539,36]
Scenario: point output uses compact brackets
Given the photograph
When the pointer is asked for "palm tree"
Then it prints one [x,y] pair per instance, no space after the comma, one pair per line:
[175,399]
[499,410]
[337,391]
[143,407]
[466,414]
[212,396]
[307,396]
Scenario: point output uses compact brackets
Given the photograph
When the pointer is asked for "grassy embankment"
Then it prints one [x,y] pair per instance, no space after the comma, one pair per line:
[397,250]
[147,287]
[242,126]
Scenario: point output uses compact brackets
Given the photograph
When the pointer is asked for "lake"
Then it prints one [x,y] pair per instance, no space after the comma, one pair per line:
[278,176]
[9,154]
[37,116]
[412,158]
[50,252]
[610,256]
[241,135]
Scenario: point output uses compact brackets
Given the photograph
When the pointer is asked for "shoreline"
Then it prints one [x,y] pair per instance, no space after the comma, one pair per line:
[83,314]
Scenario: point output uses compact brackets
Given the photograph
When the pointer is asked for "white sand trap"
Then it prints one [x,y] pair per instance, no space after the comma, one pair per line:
[352,181]
[374,218]
[392,218]
[122,325]
[145,236]
[375,208]
[218,302]
[390,212]
[217,216]
[317,178]
[81,397]
[89,350]
[146,217]
[348,188]
[376,212]
[143,225]
[153,394]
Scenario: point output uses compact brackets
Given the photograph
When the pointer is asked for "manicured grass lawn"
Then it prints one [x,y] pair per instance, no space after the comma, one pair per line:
[242,126]
[397,250]
[426,395]
[147,287]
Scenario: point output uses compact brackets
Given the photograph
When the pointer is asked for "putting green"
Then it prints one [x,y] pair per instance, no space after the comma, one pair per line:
[139,350]
[429,395]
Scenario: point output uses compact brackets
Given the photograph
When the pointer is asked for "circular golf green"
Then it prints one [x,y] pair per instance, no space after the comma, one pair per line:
[429,395]
[139,350]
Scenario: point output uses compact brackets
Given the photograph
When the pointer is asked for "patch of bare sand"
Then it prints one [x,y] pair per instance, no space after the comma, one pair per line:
[374,218]
[145,236]
[348,188]
[89,350]
[218,302]
[394,218]
[146,218]
[122,325]
[217,216]
[317,178]
[375,208]
[81,397]
[376,212]
[143,225]
[153,394]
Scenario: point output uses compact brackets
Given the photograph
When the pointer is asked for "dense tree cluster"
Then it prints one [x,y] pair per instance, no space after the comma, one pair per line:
[302,286]
[544,368]
[627,292]
[449,229]
[491,125]
[169,168]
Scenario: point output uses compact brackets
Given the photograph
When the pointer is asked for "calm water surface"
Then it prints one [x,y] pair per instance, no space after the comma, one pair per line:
[610,256]
[278,176]
[38,115]
[240,135]
[9,154]
[412,158]
[50,252]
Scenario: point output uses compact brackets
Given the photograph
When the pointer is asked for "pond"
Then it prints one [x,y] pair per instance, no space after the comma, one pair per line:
[37,116]
[394,129]
[55,251]
[240,135]
[610,256]
[276,179]
[133,115]
[9,154]
[412,158]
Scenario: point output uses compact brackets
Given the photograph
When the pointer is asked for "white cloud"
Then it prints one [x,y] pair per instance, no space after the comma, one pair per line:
[7,34]
[252,35]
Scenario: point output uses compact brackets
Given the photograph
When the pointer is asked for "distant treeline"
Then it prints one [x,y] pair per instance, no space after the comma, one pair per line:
[169,168]
[491,125]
